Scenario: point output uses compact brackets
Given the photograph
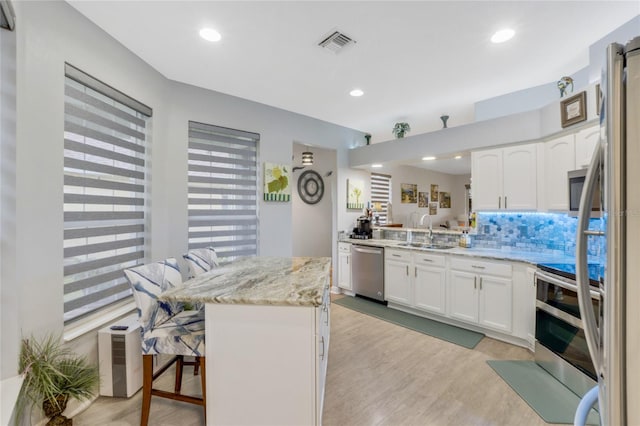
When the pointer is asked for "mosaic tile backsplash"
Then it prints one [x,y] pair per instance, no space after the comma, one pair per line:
[546,232]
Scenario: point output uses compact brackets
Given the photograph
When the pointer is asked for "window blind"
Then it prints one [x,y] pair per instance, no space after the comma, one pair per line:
[223,188]
[104,192]
[381,193]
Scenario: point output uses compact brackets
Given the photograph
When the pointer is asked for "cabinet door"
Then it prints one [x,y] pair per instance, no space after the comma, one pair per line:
[463,296]
[486,173]
[586,141]
[397,285]
[429,288]
[344,271]
[519,177]
[496,304]
[559,158]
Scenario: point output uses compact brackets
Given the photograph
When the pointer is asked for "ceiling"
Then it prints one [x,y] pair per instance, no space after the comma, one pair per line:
[414,60]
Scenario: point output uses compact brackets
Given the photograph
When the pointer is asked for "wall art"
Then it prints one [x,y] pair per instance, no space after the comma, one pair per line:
[423,199]
[433,209]
[355,194]
[445,200]
[276,182]
[409,193]
[573,110]
[434,192]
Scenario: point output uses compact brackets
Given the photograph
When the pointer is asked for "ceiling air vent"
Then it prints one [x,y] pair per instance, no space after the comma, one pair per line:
[336,41]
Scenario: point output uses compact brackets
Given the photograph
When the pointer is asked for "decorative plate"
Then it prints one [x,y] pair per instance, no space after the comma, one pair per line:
[310,187]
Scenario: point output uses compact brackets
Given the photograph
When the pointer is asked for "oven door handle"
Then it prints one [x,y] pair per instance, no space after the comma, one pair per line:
[561,283]
[557,313]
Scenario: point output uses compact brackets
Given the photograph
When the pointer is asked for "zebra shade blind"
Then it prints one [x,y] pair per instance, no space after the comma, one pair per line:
[223,188]
[381,193]
[104,192]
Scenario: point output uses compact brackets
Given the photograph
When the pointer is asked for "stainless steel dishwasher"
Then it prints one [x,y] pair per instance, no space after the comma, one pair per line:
[367,271]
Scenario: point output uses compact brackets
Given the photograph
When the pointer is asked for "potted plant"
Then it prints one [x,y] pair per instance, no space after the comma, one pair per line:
[52,375]
[400,129]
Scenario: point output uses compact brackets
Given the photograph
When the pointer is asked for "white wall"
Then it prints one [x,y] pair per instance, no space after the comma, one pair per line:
[424,178]
[50,33]
[312,224]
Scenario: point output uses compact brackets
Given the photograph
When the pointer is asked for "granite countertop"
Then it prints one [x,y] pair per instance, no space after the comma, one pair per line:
[530,257]
[298,281]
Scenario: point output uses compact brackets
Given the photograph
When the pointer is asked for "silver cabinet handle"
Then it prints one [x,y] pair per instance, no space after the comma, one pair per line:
[322,342]
[428,260]
[505,201]
[407,270]
[395,255]
[480,283]
[499,202]
[475,279]
[347,260]
[415,271]
[477,267]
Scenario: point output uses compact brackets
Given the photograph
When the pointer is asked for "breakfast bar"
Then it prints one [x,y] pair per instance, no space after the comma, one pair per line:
[267,338]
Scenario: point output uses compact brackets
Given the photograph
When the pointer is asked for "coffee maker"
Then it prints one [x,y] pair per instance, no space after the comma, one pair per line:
[363,230]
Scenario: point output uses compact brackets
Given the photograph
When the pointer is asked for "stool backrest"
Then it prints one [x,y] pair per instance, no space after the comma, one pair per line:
[201,260]
[147,282]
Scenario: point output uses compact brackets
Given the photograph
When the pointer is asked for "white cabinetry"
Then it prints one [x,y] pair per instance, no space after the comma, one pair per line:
[559,159]
[586,141]
[283,386]
[481,293]
[344,266]
[505,178]
[416,279]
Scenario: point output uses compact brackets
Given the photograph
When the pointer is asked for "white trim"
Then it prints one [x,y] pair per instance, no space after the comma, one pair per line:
[9,390]
[98,320]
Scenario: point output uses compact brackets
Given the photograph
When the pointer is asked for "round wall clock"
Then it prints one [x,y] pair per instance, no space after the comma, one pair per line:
[310,187]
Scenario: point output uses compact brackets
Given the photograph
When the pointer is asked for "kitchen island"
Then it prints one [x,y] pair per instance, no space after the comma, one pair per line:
[267,339]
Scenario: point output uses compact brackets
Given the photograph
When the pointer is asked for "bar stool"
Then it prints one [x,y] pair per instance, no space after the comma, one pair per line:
[201,260]
[167,329]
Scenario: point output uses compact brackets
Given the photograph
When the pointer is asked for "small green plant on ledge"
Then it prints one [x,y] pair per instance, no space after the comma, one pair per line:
[400,129]
[52,375]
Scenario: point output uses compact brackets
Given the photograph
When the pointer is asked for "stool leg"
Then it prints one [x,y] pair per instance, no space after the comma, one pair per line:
[147,383]
[179,368]
[203,380]
[196,366]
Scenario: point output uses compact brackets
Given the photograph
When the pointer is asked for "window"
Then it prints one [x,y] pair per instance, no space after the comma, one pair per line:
[223,187]
[104,192]
[381,193]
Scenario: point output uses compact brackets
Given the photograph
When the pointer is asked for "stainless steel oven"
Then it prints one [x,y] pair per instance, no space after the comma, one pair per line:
[561,346]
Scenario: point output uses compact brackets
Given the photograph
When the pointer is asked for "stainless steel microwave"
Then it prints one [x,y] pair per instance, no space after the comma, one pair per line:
[576,180]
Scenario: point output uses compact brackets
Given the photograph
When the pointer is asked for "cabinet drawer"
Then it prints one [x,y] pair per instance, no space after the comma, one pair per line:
[481,267]
[403,255]
[428,259]
[344,247]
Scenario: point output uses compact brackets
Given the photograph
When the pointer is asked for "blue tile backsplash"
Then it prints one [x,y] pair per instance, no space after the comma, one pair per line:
[545,232]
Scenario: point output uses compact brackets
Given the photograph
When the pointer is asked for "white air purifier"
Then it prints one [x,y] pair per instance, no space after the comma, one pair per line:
[120,357]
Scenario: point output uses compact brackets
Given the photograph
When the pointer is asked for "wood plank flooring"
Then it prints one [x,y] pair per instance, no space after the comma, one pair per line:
[378,374]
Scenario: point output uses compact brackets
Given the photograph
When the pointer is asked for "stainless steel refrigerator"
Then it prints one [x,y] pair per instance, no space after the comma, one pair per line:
[614,337]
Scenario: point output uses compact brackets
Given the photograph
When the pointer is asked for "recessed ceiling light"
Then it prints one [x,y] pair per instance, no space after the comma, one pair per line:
[210,34]
[428,158]
[457,157]
[502,35]
[356,92]
[376,166]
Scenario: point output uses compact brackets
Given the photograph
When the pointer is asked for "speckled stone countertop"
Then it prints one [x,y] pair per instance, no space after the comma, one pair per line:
[530,257]
[298,281]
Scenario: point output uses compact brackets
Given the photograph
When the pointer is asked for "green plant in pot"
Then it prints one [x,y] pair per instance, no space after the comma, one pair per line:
[53,375]
[400,129]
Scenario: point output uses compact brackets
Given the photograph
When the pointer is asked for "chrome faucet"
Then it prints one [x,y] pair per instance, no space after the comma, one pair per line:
[430,226]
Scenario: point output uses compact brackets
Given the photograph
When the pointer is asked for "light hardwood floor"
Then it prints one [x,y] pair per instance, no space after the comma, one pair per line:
[378,374]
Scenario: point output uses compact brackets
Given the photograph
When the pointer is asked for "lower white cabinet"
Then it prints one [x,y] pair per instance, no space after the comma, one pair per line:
[481,292]
[344,266]
[266,364]
[416,279]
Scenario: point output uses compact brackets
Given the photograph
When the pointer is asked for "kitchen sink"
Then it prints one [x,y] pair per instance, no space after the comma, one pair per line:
[425,246]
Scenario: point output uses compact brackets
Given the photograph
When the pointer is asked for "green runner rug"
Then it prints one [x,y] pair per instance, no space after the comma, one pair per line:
[459,336]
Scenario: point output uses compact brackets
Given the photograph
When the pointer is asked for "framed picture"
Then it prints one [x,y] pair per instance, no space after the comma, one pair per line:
[434,192]
[433,209]
[355,194]
[409,193]
[598,98]
[423,199]
[276,182]
[573,110]
[445,200]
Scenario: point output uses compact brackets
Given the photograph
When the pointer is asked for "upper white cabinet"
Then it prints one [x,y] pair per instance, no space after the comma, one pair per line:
[559,159]
[586,141]
[505,178]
